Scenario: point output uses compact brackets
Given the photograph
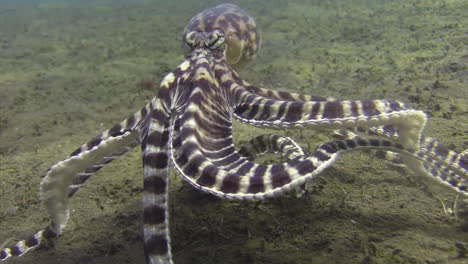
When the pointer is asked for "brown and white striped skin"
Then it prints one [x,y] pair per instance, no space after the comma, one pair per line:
[189,124]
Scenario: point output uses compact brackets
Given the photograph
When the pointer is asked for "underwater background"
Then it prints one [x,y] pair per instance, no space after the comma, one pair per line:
[71,69]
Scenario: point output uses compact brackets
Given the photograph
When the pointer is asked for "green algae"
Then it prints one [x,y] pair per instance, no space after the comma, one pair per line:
[70,70]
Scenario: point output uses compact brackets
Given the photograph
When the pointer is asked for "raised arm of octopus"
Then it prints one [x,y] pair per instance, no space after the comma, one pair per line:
[189,125]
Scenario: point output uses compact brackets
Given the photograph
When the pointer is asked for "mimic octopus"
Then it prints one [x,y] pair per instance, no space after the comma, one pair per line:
[189,125]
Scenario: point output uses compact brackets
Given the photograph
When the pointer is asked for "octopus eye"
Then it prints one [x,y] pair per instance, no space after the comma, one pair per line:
[190,38]
[215,40]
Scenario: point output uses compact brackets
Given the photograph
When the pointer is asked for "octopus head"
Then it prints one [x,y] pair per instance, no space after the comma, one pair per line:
[224,30]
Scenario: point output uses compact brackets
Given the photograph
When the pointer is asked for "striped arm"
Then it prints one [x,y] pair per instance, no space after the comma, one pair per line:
[204,155]
[64,178]
[387,131]
[55,188]
[231,77]
[444,164]
[259,111]
[283,96]
[246,180]
[277,144]
[155,156]
[439,162]
[155,190]
[388,156]
[264,144]
[81,177]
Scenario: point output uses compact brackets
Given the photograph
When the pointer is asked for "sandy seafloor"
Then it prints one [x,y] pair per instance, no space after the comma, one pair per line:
[71,69]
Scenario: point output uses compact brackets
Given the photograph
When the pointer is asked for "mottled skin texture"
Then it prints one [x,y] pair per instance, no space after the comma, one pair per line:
[242,38]
[189,125]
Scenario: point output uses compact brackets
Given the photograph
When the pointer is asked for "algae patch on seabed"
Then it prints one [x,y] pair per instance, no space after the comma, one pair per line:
[69,71]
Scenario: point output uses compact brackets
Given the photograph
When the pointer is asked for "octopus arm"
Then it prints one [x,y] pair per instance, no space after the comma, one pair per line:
[204,155]
[257,110]
[155,152]
[282,95]
[64,178]
[440,162]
